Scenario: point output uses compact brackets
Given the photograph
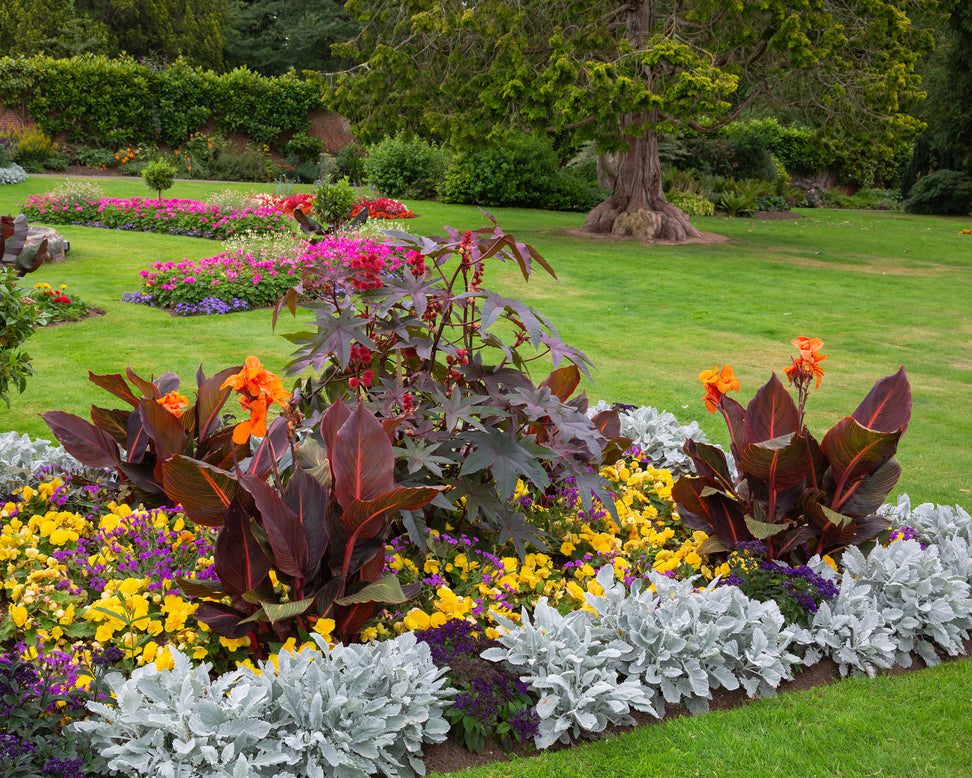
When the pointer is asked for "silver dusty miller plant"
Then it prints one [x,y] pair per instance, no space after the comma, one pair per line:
[926,606]
[572,664]
[23,460]
[347,712]
[684,643]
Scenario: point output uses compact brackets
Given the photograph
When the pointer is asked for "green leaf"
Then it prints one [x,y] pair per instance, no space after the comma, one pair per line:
[282,611]
[762,529]
[387,590]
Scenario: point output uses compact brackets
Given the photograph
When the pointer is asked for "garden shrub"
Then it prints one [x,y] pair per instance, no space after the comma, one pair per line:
[333,202]
[36,152]
[17,322]
[943,192]
[350,163]
[159,175]
[12,174]
[691,204]
[404,167]
[114,102]
[519,172]
[572,190]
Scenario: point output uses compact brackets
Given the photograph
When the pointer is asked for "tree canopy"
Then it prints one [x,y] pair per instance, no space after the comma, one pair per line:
[619,73]
[272,36]
[158,30]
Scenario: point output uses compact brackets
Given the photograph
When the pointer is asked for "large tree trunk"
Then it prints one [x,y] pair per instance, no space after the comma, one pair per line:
[637,205]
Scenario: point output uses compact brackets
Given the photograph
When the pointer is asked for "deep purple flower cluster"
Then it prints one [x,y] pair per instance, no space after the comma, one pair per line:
[906,533]
[137,298]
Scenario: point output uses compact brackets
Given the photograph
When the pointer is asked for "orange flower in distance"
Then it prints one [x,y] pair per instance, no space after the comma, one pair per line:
[807,366]
[259,389]
[717,383]
[174,403]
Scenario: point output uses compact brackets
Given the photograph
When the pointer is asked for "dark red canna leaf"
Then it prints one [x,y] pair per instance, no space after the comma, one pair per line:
[780,463]
[714,511]
[362,459]
[887,407]
[855,452]
[308,499]
[283,527]
[273,446]
[148,389]
[210,398]
[563,381]
[115,384]
[164,428]
[204,491]
[223,620]
[114,421]
[770,414]
[332,420]
[82,440]
[240,563]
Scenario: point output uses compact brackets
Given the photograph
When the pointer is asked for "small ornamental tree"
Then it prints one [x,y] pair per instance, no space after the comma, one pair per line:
[159,175]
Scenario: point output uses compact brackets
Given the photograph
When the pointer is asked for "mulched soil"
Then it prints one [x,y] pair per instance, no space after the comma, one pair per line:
[450,756]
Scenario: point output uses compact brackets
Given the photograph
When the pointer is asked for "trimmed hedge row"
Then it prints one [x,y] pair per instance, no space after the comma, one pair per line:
[117,102]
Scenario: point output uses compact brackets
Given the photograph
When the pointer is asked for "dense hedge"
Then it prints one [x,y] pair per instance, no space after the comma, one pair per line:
[116,102]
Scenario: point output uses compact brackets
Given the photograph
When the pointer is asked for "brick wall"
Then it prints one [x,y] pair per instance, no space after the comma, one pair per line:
[12,119]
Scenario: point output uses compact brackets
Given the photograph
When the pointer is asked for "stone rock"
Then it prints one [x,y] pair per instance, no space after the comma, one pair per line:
[641,224]
[57,247]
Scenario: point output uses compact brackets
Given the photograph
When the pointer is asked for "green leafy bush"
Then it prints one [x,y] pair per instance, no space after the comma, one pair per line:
[159,175]
[17,322]
[405,167]
[350,163]
[691,204]
[333,202]
[36,152]
[941,192]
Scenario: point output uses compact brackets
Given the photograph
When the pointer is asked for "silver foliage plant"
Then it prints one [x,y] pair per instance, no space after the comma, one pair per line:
[947,527]
[346,712]
[22,459]
[12,174]
[643,650]
[685,642]
[925,605]
[659,435]
[572,663]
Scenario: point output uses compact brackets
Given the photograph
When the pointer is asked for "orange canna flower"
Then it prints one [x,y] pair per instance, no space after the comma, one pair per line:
[174,403]
[259,389]
[806,368]
[255,425]
[717,383]
[254,380]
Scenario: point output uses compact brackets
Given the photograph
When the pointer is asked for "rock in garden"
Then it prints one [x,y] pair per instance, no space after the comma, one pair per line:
[641,224]
[57,246]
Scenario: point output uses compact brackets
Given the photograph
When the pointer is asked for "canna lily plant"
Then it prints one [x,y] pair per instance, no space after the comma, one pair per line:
[318,530]
[798,496]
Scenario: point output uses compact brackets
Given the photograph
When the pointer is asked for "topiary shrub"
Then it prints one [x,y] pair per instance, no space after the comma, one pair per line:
[942,192]
[405,167]
[158,175]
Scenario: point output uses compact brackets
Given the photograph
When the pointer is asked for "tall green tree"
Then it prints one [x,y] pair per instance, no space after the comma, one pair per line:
[948,110]
[272,36]
[622,72]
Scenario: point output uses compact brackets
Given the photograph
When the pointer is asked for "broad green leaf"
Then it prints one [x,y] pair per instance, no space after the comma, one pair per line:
[387,590]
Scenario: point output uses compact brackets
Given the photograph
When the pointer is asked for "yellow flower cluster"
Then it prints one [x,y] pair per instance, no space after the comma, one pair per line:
[50,580]
[648,535]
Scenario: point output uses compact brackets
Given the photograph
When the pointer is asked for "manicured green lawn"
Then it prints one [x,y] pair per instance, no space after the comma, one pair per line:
[881,289]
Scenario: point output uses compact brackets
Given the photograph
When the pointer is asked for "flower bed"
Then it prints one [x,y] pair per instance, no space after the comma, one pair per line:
[58,305]
[171,216]
[249,277]
[380,208]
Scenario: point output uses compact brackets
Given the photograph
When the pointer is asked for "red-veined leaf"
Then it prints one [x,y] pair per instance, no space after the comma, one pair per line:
[713,511]
[780,463]
[887,407]
[563,381]
[114,421]
[210,398]
[148,389]
[855,452]
[240,563]
[284,530]
[332,420]
[203,490]
[164,428]
[308,499]
[362,459]
[770,414]
[223,620]
[82,440]
[270,449]
[115,384]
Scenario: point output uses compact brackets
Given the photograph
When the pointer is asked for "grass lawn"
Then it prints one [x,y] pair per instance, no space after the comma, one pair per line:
[882,290]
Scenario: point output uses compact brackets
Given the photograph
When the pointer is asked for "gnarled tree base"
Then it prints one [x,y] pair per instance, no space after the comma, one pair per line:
[664,222]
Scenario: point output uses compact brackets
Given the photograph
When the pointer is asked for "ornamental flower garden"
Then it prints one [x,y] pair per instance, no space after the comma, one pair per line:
[212,545]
